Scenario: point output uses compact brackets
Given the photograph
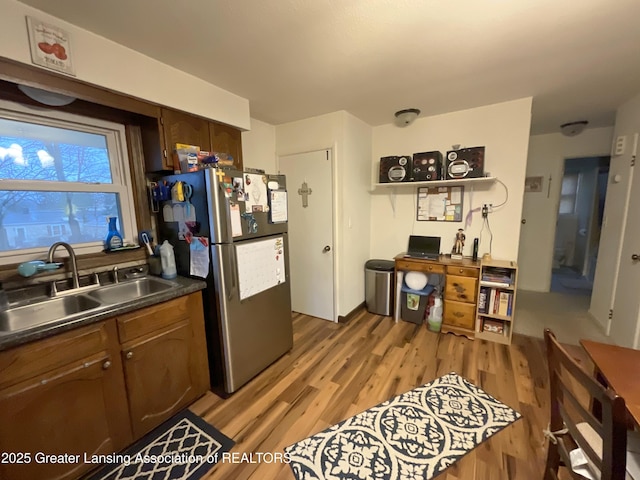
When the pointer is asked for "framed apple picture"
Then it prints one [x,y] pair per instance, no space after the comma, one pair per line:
[50,46]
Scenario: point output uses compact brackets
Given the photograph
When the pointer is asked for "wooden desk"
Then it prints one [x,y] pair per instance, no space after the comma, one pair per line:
[619,367]
[459,294]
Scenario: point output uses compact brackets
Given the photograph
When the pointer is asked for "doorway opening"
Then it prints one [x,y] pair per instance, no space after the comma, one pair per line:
[578,224]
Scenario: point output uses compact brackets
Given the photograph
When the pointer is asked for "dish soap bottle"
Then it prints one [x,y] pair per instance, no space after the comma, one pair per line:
[114,239]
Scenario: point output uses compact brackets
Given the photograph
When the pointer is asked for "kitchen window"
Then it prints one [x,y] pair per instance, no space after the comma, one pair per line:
[61,177]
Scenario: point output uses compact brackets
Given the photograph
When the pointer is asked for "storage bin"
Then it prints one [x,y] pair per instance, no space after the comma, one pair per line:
[408,314]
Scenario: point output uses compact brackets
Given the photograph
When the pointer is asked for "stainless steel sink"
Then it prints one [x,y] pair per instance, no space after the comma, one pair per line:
[130,290]
[46,311]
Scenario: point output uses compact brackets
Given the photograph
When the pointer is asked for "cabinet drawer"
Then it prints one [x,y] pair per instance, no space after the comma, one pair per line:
[459,314]
[461,289]
[27,361]
[141,322]
[462,271]
[419,266]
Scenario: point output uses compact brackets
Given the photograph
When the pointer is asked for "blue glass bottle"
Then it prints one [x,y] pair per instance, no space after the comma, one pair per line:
[114,239]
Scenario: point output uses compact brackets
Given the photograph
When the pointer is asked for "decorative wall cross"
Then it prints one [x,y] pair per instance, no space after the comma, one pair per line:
[304,191]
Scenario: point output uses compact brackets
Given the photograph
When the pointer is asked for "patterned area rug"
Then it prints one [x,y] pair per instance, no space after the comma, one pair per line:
[415,435]
[184,447]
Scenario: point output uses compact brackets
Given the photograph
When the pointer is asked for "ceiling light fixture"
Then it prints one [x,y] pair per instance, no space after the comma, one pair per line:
[572,129]
[51,99]
[406,117]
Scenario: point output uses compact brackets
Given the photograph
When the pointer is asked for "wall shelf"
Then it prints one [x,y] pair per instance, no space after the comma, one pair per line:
[437,183]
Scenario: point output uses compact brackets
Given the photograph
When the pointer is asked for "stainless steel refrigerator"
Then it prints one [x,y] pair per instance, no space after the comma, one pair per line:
[247,302]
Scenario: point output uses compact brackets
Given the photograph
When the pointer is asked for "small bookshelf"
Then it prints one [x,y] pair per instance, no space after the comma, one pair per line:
[496,301]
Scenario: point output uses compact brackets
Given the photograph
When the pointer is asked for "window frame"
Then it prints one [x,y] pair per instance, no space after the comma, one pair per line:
[573,196]
[120,166]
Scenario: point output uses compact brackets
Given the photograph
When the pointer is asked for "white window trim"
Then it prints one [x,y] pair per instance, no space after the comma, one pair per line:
[120,173]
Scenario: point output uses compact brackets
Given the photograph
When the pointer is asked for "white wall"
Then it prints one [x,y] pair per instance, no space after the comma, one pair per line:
[546,158]
[259,146]
[350,141]
[107,64]
[355,208]
[503,129]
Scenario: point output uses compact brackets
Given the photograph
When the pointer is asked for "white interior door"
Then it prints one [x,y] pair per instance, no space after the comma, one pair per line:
[626,305]
[310,203]
[609,260]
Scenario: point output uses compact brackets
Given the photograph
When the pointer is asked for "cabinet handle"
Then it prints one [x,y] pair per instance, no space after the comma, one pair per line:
[461,271]
[106,364]
[129,355]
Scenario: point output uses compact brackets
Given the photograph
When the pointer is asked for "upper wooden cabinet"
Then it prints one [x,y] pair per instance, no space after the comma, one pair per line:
[179,127]
[160,138]
[226,139]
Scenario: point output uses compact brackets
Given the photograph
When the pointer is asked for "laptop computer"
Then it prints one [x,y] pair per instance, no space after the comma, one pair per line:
[423,247]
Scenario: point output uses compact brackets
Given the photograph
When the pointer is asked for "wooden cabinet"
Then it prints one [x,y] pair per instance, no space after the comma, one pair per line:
[98,388]
[226,139]
[179,127]
[497,301]
[164,367]
[160,137]
[63,395]
[460,292]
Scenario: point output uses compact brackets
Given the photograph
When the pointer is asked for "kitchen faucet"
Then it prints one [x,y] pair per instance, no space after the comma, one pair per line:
[74,264]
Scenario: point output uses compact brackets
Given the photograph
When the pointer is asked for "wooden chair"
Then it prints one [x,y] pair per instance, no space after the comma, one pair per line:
[572,425]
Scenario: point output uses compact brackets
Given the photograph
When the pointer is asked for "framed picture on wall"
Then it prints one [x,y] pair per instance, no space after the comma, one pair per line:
[50,46]
[533,184]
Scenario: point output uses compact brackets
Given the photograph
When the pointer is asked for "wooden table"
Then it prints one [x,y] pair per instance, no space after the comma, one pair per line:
[619,367]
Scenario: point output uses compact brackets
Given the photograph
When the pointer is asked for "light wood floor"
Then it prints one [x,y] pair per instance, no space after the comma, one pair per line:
[335,371]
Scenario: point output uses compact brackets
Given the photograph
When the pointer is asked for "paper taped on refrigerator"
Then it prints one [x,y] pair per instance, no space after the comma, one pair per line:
[260,266]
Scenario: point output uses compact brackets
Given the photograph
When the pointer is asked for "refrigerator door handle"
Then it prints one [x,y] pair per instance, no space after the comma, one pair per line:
[230,274]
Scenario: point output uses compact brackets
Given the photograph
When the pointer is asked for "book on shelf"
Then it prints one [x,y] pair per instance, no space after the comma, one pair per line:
[496,284]
[493,326]
[482,300]
[503,303]
[510,306]
[492,301]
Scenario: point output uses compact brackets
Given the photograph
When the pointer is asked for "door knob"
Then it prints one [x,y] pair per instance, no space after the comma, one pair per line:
[326,248]
[129,355]
[635,257]
[523,221]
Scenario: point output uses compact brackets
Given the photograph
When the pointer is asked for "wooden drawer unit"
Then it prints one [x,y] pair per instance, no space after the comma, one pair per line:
[27,361]
[461,289]
[141,322]
[419,266]
[462,271]
[459,314]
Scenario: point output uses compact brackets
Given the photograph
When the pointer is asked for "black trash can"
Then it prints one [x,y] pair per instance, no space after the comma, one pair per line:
[378,286]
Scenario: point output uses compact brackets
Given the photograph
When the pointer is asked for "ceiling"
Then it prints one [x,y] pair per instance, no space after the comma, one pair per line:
[293,59]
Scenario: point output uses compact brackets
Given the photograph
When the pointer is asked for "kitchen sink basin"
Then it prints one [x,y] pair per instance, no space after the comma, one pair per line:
[46,311]
[130,290]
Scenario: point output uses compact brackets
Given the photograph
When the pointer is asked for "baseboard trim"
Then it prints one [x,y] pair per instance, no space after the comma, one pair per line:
[346,318]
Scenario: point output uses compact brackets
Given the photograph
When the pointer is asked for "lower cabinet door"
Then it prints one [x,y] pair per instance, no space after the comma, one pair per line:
[65,413]
[459,314]
[161,376]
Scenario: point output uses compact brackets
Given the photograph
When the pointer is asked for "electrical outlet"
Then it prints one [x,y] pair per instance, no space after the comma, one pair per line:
[619,147]
[485,210]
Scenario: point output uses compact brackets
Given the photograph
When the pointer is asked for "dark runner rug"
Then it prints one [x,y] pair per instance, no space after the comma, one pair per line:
[415,435]
[184,447]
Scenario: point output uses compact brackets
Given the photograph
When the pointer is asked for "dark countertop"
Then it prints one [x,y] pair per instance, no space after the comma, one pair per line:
[184,286]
